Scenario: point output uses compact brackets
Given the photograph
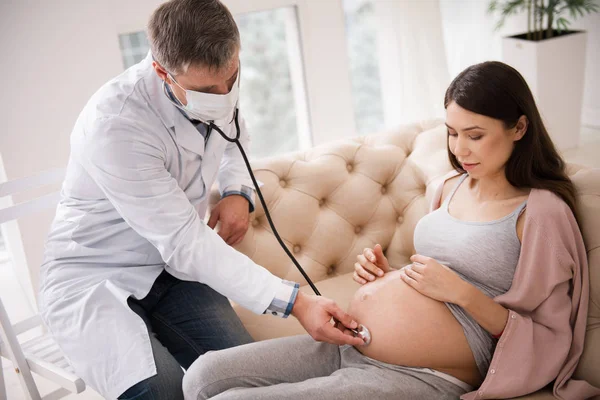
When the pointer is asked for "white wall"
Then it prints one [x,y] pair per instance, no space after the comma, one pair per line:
[470,38]
[591,94]
[54,56]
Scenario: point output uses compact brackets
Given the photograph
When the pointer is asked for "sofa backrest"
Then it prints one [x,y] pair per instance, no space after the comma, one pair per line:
[587,182]
[332,201]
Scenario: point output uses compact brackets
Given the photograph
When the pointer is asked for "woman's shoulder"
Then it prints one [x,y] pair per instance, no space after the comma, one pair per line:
[449,184]
[545,204]
[551,216]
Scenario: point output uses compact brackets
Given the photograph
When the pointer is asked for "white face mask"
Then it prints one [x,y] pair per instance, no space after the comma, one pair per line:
[211,107]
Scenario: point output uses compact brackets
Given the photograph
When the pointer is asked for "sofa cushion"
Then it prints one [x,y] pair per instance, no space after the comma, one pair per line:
[332,201]
[587,181]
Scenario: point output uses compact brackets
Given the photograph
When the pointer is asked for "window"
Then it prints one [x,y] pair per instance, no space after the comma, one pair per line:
[363,55]
[272,98]
[134,47]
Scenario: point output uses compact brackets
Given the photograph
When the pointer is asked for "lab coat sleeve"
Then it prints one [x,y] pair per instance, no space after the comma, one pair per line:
[232,171]
[128,163]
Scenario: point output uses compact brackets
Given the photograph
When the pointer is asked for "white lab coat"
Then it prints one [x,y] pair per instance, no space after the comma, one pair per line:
[136,187]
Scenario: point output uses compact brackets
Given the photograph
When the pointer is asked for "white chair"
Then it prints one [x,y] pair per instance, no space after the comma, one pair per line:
[39,355]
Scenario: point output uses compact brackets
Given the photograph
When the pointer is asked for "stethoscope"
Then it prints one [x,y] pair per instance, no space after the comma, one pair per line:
[361,331]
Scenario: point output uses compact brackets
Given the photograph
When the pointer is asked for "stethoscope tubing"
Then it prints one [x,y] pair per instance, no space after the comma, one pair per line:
[362,331]
[236,140]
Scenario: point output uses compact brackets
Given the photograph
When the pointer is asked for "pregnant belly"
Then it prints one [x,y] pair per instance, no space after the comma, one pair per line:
[411,329]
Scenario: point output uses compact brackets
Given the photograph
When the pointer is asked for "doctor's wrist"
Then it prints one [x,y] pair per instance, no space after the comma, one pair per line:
[300,304]
[243,191]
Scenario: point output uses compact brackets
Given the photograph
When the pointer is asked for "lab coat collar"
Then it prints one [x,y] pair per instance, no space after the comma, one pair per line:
[156,96]
[186,134]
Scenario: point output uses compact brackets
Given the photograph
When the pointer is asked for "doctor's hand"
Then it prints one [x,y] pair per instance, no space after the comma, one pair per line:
[315,313]
[434,280]
[233,214]
[370,265]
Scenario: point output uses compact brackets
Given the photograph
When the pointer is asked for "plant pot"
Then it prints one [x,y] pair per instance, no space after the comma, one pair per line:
[554,70]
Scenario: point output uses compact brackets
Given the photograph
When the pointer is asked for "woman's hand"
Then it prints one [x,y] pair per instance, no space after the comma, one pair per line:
[434,280]
[370,263]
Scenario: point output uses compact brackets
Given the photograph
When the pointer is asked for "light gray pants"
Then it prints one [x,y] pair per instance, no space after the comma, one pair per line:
[299,368]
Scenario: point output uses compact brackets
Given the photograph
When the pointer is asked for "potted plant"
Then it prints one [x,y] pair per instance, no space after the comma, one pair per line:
[551,58]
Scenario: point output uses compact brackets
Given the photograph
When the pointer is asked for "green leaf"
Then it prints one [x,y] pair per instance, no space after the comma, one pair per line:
[575,9]
[562,24]
[506,9]
[513,6]
[592,5]
[553,4]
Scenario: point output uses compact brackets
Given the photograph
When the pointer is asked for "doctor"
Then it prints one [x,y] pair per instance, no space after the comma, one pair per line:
[134,284]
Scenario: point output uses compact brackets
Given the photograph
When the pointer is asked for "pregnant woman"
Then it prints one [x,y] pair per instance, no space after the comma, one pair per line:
[495,297]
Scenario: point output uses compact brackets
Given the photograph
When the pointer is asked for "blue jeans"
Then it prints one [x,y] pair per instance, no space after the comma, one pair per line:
[184,320]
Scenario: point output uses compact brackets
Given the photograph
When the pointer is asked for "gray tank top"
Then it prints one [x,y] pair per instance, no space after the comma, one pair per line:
[484,254]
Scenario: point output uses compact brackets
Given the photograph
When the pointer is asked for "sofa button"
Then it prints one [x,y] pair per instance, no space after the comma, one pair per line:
[383,190]
[331,270]
[296,249]
[255,222]
[513,316]
[321,202]
[282,183]
[357,229]
[492,371]
[480,393]
[400,219]
[349,167]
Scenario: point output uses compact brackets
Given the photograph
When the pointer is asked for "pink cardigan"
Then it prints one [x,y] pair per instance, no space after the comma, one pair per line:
[543,338]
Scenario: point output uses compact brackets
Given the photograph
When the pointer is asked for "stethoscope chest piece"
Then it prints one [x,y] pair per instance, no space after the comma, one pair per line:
[363,333]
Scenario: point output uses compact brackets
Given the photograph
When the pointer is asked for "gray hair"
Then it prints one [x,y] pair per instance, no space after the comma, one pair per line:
[200,33]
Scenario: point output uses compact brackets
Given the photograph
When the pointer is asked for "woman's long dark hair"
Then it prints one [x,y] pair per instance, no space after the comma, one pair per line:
[497,90]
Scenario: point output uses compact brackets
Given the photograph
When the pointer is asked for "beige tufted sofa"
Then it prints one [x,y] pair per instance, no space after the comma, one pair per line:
[332,201]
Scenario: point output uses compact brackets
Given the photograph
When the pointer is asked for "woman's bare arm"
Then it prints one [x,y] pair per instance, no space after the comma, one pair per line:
[489,314]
